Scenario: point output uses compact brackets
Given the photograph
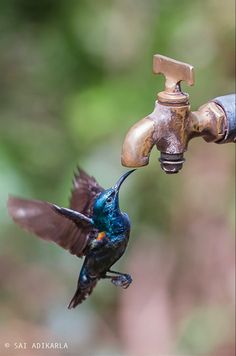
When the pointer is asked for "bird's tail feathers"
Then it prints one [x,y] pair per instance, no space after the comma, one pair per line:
[81,294]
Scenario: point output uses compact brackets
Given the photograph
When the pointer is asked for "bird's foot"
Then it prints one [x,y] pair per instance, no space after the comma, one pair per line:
[123,280]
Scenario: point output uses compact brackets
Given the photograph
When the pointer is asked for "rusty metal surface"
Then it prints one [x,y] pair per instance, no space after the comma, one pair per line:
[174,71]
[170,128]
[170,122]
[138,144]
[209,121]
[172,125]
[164,127]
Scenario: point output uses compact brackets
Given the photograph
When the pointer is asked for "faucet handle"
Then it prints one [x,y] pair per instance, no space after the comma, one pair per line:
[174,72]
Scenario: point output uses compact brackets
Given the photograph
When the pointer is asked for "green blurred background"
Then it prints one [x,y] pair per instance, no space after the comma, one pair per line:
[74,76]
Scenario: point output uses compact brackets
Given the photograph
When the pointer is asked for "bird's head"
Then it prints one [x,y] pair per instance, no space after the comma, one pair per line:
[108,201]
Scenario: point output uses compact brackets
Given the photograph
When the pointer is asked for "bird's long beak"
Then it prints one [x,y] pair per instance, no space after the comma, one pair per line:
[118,184]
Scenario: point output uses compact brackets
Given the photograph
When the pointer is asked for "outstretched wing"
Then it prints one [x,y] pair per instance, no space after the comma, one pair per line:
[41,219]
[85,191]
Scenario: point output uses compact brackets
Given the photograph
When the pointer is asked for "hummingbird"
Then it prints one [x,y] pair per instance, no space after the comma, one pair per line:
[92,227]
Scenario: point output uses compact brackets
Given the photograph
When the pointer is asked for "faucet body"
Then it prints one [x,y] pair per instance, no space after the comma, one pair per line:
[172,124]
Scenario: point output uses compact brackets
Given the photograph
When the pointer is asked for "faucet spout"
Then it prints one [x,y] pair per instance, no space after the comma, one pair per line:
[172,125]
[164,127]
[138,143]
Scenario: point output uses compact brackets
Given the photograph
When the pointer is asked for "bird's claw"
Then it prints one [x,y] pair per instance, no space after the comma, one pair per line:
[123,281]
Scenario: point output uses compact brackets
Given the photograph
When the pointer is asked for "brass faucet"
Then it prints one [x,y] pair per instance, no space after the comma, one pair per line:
[172,125]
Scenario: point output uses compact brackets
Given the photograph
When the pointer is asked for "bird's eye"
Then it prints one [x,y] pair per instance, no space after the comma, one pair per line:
[109,200]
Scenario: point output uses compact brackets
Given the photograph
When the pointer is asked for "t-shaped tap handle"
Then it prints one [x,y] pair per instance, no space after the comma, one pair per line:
[174,72]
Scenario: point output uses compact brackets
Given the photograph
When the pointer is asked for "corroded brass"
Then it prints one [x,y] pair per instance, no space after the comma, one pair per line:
[172,125]
[174,72]
[209,121]
[138,143]
[171,128]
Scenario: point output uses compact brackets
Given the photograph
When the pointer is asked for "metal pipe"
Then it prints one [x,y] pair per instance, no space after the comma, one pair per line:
[227,103]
